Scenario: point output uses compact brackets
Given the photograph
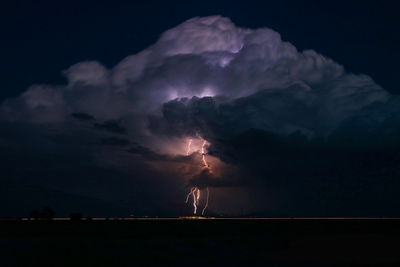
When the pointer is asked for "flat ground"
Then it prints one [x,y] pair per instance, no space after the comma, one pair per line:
[205,242]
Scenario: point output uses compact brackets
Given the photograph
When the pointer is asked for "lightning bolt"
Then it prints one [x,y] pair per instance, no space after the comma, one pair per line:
[188,147]
[191,191]
[208,196]
[196,197]
[203,154]
[195,191]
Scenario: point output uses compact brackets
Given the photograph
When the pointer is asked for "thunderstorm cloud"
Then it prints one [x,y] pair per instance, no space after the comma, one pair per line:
[286,124]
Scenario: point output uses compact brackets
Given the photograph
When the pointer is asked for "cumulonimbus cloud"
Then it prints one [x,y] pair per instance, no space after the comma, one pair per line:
[266,83]
[209,78]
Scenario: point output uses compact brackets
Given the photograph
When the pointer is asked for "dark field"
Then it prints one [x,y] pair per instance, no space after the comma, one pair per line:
[205,242]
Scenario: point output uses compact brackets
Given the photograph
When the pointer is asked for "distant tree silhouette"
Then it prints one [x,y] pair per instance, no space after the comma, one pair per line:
[47,213]
[76,216]
[34,215]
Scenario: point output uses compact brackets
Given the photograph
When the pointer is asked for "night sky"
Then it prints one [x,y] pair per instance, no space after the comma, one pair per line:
[285,108]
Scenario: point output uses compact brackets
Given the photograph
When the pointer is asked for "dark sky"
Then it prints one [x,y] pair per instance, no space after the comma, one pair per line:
[272,128]
[41,38]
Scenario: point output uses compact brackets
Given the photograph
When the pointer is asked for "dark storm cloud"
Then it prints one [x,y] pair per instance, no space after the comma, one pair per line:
[114,141]
[83,116]
[110,126]
[206,179]
[284,113]
[146,153]
[282,117]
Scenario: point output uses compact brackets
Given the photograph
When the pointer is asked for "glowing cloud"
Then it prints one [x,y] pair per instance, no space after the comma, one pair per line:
[204,81]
